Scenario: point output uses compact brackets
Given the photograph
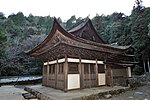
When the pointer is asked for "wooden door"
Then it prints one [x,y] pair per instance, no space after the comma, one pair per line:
[89,76]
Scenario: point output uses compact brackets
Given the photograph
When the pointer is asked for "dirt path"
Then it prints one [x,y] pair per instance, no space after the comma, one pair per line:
[141,93]
[11,93]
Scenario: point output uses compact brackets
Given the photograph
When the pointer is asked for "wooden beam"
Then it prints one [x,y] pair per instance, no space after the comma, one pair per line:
[73,60]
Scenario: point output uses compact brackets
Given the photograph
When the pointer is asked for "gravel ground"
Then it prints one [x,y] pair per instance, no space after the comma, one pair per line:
[140,93]
[10,92]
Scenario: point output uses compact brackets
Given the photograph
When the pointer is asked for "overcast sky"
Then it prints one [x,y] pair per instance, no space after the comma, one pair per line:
[66,8]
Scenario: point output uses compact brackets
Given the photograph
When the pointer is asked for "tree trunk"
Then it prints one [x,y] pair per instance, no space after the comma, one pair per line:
[0,69]
[144,66]
[148,64]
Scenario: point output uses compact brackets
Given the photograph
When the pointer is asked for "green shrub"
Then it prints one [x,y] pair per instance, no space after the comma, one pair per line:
[137,70]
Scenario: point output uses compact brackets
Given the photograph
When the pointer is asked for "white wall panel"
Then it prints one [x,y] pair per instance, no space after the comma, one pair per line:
[101,79]
[73,81]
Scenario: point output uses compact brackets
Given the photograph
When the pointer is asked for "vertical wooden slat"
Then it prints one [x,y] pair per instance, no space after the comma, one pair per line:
[66,74]
[96,73]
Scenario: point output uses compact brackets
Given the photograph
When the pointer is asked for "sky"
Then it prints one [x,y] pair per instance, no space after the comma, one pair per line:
[66,8]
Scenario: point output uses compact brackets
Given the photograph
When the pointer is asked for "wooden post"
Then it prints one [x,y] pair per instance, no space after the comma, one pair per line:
[96,72]
[148,64]
[43,76]
[56,73]
[144,66]
[0,70]
[82,65]
[80,72]
[66,74]
[47,75]
[112,83]
[89,75]
[106,71]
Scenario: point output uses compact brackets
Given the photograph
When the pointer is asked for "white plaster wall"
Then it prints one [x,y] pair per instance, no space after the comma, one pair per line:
[73,60]
[129,71]
[73,81]
[101,79]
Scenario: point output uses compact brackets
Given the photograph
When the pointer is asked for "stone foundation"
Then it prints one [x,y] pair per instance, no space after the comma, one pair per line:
[93,95]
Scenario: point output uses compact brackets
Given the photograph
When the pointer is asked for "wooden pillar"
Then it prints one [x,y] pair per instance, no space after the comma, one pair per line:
[82,69]
[111,73]
[105,69]
[0,70]
[80,72]
[96,72]
[144,66]
[47,74]
[43,76]
[66,74]
[89,76]
[148,64]
[56,73]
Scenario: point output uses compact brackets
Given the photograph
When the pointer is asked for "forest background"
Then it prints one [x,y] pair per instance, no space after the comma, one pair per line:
[19,33]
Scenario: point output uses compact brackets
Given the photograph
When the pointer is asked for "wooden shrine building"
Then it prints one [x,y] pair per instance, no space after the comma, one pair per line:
[79,58]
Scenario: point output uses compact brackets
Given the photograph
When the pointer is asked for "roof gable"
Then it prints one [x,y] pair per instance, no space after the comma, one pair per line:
[59,36]
[86,31]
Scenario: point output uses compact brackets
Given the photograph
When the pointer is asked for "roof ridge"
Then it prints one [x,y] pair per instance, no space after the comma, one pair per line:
[84,20]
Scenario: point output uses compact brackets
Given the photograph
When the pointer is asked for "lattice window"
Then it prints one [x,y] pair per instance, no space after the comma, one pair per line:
[73,68]
[61,68]
[86,68]
[52,69]
[101,68]
[92,69]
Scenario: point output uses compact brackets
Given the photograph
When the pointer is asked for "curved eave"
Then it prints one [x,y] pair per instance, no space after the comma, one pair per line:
[53,50]
[56,26]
